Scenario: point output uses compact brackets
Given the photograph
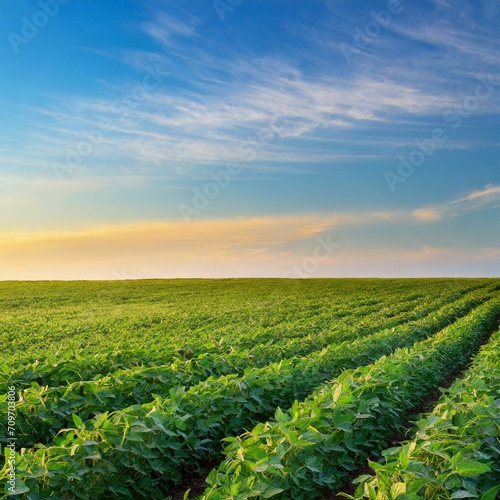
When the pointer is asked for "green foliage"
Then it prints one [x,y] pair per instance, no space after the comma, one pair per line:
[456,449]
[127,388]
[317,443]
[45,411]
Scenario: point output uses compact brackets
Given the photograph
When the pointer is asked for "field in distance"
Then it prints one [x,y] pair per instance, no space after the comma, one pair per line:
[133,389]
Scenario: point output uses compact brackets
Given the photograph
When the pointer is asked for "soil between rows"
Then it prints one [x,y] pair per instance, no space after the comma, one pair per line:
[425,406]
[196,483]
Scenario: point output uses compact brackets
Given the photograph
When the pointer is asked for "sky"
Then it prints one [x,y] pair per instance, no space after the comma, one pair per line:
[259,138]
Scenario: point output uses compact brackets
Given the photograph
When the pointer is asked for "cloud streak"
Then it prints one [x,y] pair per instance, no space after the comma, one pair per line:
[173,248]
[226,104]
[208,109]
[486,198]
[312,132]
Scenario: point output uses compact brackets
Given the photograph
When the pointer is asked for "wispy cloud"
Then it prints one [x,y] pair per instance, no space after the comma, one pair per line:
[165,28]
[441,50]
[33,190]
[230,248]
[311,131]
[165,129]
[208,108]
[488,197]
[246,240]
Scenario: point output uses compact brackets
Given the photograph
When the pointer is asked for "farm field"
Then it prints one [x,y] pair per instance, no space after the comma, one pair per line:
[251,388]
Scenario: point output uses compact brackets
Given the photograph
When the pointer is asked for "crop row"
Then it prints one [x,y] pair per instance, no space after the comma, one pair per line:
[199,362]
[52,406]
[106,344]
[56,369]
[227,312]
[43,411]
[456,452]
[214,359]
[313,446]
[145,448]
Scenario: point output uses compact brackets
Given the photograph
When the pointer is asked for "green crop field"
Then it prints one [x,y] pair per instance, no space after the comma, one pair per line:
[251,388]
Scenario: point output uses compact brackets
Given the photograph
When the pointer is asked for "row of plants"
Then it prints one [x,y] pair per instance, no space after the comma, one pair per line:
[127,387]
[314,446]
[231,314]
[456,449]
[147,315]
[210,358]
[75,365]
[144,450]
[43,410]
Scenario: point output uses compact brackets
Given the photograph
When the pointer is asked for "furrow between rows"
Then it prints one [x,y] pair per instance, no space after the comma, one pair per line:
[145,449]
[311,448]
[456,449]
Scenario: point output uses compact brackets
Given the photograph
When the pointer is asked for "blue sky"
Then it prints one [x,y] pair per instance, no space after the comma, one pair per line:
[201,138]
